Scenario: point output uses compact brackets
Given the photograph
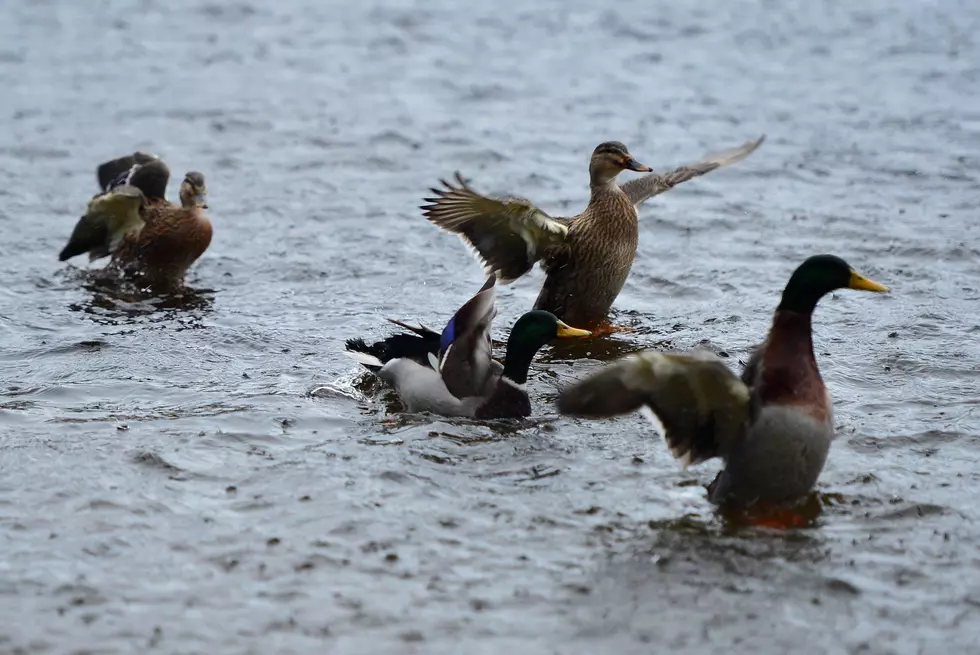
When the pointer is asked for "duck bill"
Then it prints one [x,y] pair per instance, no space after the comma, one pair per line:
[201,201]
[565,330]
[633,165]
[861,283]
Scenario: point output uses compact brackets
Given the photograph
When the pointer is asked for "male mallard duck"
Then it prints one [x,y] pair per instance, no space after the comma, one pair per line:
[772,427]
[157,241]
[587,257]
[452,374]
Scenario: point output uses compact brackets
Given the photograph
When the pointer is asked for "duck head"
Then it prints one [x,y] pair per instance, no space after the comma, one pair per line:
[609,159]
[818,276]
[193,192]
[151,178]
[532,331]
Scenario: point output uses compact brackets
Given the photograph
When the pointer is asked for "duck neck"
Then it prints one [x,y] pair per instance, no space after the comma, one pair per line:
[791,336]
[601,184]
[518,359]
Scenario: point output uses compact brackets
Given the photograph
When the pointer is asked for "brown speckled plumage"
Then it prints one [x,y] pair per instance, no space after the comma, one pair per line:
[586,274]
[587,257]
[171,240]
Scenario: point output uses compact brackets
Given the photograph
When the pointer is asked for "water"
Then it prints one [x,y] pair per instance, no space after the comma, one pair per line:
[207,474]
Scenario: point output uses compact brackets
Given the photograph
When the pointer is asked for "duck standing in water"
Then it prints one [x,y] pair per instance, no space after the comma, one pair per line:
[149,238]
[588,257]
[453,374]
[772,427]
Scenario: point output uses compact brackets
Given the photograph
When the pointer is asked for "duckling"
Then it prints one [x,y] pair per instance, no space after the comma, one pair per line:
[452,374]
[588,257]
[772,426]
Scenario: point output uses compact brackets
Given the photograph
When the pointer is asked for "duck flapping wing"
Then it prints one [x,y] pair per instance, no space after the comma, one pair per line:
[464,348]
[644,188]
[703,406]
[508,234]
[108,218]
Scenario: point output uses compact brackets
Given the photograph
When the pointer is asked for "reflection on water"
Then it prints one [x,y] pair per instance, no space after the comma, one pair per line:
[116,300]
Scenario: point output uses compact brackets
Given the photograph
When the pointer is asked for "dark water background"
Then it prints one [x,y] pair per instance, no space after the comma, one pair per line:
[204,475]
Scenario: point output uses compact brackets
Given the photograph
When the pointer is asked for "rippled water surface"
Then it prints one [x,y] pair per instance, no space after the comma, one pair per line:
[207,474]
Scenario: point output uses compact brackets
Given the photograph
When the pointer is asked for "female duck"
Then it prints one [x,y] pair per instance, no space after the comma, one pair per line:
[152,239]
[772,427]
[452,374]
[587,257]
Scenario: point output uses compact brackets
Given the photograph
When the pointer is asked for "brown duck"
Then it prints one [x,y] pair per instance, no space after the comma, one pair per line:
[588,257]
[149,238]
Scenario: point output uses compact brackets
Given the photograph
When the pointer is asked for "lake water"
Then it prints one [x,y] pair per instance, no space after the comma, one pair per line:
[208,474]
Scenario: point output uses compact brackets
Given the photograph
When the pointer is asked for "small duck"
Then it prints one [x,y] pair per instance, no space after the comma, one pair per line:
[158,242]
[772,427]
[588,257]
[452,373]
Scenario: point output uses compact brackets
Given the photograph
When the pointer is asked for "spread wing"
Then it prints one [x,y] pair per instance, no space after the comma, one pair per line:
[644,188]
[703,406]
[109,217]
[508,234]
[464,347]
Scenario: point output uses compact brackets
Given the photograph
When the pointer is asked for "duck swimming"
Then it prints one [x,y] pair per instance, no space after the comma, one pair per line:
[149,238]
[772,426]
[452,373]
[587,257]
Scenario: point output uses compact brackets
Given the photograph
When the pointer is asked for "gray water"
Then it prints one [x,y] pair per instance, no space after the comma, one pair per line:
[207,474]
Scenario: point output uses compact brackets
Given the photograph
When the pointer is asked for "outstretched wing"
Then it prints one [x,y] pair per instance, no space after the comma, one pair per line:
[508,234]
[109,217]
[703,406]
[464,347]
[644,188]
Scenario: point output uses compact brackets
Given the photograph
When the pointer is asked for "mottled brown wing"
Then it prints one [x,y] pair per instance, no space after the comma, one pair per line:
[508,234]
[644,188]
[702,405]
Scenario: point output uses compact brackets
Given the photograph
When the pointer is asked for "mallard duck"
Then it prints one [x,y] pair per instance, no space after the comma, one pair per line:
[452,373]
[588,257]
[160,241]
[772,427]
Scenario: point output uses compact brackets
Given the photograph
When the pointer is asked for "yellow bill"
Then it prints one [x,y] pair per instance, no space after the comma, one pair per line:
[565,330]
[861,283]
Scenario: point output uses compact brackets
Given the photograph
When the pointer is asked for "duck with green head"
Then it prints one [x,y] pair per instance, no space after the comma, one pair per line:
[772,426]
[588,257]
[148,237]
[452,373]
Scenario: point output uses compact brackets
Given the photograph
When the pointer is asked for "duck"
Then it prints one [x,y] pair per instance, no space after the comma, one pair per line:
[586,258]
[155,242]
[452,373]
[772,426]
